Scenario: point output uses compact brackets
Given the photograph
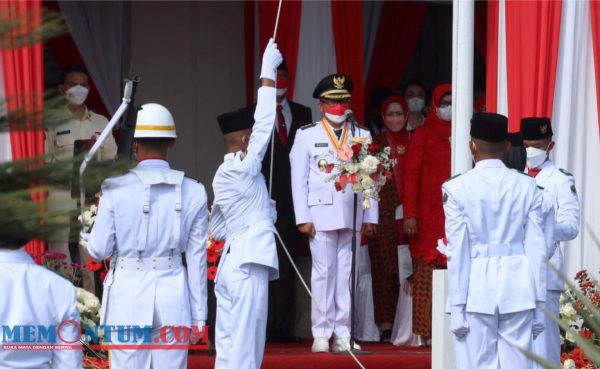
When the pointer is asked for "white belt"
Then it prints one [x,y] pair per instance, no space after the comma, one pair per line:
[484,250]
[149,264]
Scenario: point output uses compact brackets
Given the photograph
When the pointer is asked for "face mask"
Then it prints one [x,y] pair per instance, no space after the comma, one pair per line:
[415,104]
[281,91]
[445,113]
[282,85]
[76,95]
[535,157]
[336,113]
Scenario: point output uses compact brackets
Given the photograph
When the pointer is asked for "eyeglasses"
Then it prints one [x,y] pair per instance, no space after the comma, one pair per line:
[330,103]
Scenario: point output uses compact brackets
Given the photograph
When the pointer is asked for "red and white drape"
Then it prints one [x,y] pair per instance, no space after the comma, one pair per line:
[23,85]
[543,59]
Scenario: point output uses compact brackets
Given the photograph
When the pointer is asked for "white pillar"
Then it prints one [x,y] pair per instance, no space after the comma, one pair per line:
[462,83]
[462,109]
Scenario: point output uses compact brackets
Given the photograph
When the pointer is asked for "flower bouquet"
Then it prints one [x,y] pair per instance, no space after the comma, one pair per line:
[56,262]
[87,220]
[214,249]
[362,165]
[576,314]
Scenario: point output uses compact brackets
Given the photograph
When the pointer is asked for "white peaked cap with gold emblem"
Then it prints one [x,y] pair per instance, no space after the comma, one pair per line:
[154,121]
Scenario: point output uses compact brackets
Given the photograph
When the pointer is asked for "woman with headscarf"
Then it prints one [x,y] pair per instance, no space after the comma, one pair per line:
[427,166]
[383,248]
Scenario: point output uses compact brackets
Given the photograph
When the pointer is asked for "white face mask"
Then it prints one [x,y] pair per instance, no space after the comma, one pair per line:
[415,104]
[535,157]
[281,91]
[337,119]
[445,113]
[76,95]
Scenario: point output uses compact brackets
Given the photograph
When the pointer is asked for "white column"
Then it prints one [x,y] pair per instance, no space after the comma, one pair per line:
[462,83]
[442,354]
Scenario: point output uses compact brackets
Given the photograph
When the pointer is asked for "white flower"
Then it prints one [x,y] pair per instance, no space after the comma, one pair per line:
[569,364]
[94,209]
[562,298]
[366,204]
[352,167]
[567,311]
[387,150]
[562,340]
[367,182]
[369,164]
[570,336]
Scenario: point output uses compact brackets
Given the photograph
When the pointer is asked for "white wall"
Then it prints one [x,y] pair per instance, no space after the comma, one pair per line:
[190,58]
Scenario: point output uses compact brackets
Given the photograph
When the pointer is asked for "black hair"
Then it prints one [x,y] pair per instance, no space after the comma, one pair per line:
[76,68]
[412,82]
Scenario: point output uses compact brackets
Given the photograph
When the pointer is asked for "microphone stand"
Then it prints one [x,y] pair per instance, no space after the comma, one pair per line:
[353,280]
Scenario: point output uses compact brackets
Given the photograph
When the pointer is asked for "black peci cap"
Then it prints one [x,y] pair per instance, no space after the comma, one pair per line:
[489,127]
[235,121]
[536,128]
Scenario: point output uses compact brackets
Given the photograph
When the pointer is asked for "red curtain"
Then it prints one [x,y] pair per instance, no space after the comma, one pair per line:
[249,49]
[491,57]
[595,20]
[532,33]
[397,35]
[288,33]
[347,18]
[23,72]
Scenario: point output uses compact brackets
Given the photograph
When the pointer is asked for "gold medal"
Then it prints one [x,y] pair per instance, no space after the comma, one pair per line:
[323,164]
[332,137]
[401,149]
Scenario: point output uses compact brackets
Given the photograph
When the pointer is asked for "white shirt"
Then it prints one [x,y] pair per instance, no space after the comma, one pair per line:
[179,294]
[560,188]
[242,209]
[60,138]
[34,295]
[497,252]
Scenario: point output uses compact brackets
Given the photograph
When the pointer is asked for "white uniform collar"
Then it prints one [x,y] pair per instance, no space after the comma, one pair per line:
[232,155]
[154,164]
[546,169]
[490,163]
[18,256]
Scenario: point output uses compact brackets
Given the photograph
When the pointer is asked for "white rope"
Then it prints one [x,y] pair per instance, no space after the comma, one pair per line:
[277,19]
[321,311]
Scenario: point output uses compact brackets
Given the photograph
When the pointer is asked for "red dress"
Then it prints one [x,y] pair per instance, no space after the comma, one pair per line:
[427,166]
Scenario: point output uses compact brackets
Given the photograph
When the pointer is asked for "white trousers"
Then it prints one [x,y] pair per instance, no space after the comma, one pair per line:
[242,304]
[493,341]
[331,253]
[149,359]
[547,344]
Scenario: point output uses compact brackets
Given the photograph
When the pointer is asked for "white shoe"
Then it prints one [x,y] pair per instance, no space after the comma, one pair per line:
[343,344]
[320,344]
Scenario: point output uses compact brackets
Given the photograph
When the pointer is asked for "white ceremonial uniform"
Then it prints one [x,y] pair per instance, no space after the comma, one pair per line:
[146,219]
[496,262]
[34,295]
[60,140]
[560,189]
[331,212]
[244,216]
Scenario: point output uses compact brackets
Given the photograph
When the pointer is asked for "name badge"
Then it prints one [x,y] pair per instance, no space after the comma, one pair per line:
[324,144]
[63,132]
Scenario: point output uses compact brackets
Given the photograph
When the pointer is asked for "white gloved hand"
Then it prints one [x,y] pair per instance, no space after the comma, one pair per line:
[442,245]
[273,211]
[458,321]
[271,60]
[538,320]
[405,267]
[198,332]
[83,238]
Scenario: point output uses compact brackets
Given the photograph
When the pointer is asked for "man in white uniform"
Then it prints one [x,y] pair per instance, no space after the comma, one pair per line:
[326,215]
[496,254]
[34,295]
[147,218]
[244,216]
[559,186]
[76,123]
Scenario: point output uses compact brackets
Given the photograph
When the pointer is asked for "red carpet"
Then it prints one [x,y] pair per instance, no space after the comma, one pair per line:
[298,356]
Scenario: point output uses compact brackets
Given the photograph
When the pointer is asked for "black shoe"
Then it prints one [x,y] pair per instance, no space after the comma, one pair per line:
[386,336]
